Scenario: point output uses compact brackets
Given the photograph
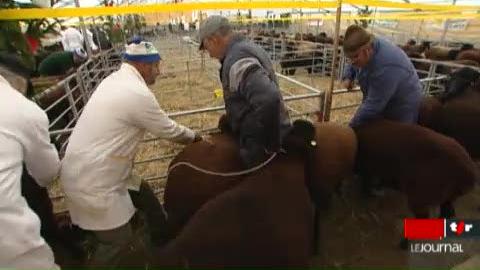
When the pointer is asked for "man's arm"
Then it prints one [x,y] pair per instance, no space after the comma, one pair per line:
[40,156]
[349,73]
[382,85]
[148,115]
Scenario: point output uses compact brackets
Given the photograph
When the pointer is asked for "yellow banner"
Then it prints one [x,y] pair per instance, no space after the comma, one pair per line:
[36,13]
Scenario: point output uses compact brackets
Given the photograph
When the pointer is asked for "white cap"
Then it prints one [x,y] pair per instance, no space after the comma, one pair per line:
[141,52]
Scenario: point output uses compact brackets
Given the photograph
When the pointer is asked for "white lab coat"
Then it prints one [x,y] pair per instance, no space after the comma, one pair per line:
[90,40]
[72,39]
[98,161]
[23,138]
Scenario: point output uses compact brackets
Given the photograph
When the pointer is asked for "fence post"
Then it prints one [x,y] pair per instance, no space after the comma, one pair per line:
[328,94]
[430,75]
[71,100]
[82,88]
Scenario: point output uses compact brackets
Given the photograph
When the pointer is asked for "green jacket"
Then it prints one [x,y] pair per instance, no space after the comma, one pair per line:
[57,63]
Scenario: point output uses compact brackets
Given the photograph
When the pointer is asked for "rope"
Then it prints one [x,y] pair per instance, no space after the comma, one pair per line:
[227,174]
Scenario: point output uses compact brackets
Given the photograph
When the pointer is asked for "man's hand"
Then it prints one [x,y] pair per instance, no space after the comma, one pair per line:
[197,138]
[348,84]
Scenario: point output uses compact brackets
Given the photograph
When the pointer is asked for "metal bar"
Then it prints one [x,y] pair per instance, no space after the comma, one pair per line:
[304,96]
[345,106]
[304,101]
[77,100]
[344,90]
[328,98]
[149,179]
[291,109]
[55,103]
[189,112]
[69,125]
[442,63]
[61,131]
[82,88]
[71,101]
[434,78]
[303,114]
[306,86]
[60,116]
[84,32]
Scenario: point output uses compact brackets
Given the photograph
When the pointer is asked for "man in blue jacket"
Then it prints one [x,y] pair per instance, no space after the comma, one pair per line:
[255,110]
[389,82]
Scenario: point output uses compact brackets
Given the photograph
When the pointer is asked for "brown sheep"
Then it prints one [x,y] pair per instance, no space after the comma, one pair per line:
[330,162]
[264,221]
[430,168]
[473,54]
[457,112]
[428,110]
[438,53]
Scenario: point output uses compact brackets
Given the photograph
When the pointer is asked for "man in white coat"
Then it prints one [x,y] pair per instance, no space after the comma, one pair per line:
[97,168]
[71,39]
[24,139]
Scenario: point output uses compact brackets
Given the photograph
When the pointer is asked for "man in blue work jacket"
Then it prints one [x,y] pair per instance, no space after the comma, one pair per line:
[389,82]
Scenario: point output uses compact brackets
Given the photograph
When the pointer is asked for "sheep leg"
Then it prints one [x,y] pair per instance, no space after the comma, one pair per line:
[447,210]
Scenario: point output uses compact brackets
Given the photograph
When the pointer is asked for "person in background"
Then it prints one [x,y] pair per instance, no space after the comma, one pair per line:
[102,194]
[72,39]
[62,63]
[100,37]
[92,44]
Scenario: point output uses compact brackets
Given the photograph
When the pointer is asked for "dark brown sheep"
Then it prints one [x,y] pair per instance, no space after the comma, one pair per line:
[457,112]
[330,161]
[472,54]
[430,168]
[264,221]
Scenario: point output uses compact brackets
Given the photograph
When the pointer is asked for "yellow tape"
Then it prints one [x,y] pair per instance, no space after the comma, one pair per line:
[35,13]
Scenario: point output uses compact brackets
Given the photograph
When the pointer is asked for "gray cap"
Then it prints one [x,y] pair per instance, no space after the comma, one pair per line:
[211,25]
